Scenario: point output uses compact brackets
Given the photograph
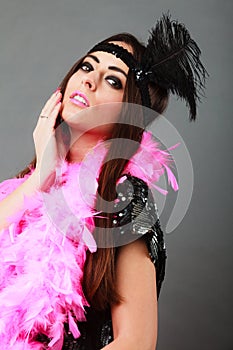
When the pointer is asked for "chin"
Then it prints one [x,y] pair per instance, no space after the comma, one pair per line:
[69,113]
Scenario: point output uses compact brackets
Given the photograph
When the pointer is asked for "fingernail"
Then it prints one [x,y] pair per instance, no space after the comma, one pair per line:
[58,89]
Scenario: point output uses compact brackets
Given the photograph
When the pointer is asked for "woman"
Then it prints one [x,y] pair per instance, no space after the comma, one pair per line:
[52,267]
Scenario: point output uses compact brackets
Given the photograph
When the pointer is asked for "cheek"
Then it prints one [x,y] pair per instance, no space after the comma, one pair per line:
[119,96]
[108,113]
[72,84]
[112,96]
[70,87]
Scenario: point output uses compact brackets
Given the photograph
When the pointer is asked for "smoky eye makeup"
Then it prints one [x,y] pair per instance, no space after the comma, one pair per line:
[114,82]
[86,66]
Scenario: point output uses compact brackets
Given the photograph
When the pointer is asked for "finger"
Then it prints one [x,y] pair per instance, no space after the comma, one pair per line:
[49,120]
[52,101]
[53,114]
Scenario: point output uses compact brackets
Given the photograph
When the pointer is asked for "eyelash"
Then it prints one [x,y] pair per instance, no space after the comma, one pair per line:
[115,82]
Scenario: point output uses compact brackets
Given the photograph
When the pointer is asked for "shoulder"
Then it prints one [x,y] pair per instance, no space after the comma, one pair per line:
[136,218]
[135,203]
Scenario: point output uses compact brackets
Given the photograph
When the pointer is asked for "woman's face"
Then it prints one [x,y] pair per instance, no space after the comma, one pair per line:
[101,79]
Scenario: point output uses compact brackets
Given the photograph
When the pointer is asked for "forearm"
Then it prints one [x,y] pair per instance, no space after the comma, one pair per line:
[48,152]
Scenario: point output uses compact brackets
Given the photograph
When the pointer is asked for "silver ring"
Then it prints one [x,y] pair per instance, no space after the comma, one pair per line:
[43,116]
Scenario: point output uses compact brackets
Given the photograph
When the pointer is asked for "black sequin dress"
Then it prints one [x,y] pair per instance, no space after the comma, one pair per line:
[135,217]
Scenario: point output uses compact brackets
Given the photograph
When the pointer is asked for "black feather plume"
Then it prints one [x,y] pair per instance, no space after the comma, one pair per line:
[172,58]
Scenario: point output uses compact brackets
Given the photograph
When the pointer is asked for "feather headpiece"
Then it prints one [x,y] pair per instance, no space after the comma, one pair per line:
[171,60]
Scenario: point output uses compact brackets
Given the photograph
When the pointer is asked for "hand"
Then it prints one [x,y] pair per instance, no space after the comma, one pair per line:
[46,147]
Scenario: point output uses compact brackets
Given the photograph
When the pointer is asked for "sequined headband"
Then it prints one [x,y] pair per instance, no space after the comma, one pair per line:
[171,60]
[140,75]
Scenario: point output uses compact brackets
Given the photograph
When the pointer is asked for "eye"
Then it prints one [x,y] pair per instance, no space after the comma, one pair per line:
[114,82]
[86,67]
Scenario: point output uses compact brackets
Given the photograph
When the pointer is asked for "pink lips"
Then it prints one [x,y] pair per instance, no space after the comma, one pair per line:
[82,102]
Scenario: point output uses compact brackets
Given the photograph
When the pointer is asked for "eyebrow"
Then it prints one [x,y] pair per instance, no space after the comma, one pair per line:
[116,69]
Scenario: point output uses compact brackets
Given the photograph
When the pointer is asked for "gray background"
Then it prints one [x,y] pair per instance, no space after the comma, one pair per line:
[39,40]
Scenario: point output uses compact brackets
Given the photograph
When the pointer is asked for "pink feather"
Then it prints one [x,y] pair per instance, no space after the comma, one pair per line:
[73,327]
[43,251]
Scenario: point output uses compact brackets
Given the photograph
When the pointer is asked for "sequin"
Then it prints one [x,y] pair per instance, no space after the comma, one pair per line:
[141,212]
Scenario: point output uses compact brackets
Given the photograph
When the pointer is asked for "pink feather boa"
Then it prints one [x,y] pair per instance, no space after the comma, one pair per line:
[43,250]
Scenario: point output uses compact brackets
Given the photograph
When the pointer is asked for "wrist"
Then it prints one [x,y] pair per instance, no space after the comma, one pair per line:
[42,181]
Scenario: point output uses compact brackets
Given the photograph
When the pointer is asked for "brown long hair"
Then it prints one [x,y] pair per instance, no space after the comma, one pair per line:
[99,274]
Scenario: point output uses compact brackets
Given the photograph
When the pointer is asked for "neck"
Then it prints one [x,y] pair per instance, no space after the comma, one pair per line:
[80,145]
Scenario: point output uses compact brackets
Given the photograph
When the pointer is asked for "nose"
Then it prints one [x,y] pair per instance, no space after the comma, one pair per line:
[89,81]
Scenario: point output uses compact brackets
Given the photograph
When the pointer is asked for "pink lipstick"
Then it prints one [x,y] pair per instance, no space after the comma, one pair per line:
[78,98]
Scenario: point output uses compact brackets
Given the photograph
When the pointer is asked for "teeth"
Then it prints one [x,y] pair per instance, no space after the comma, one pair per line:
[80,99]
